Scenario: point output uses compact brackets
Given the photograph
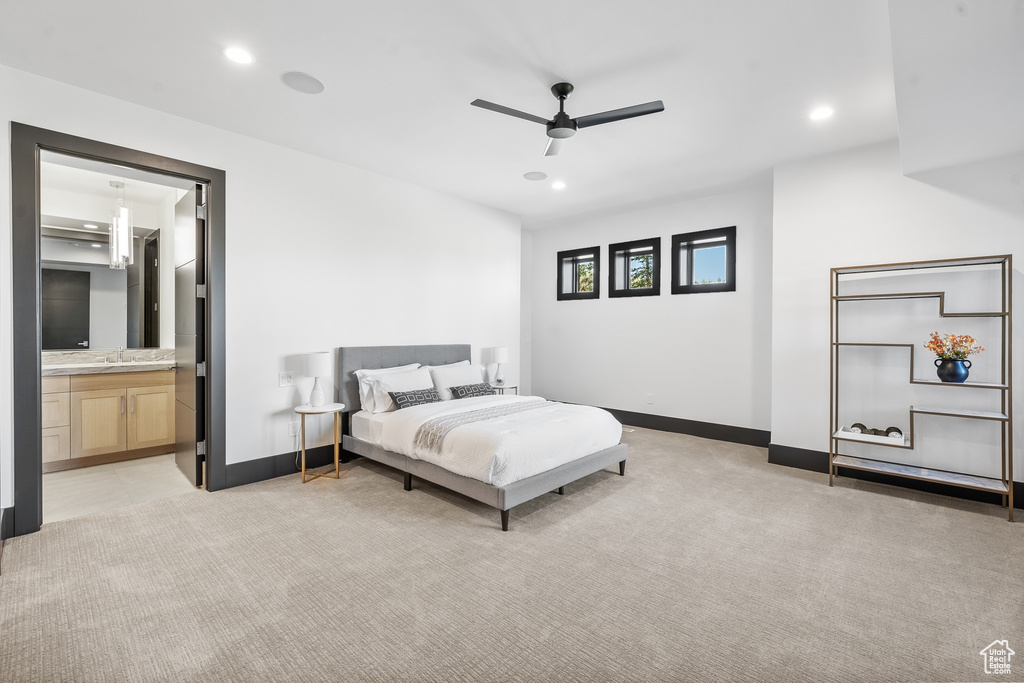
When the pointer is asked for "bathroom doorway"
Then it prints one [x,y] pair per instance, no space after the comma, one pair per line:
[27,146]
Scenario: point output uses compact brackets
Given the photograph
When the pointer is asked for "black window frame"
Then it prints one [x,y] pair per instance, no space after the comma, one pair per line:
[614,252]
[574,255]
[682,242]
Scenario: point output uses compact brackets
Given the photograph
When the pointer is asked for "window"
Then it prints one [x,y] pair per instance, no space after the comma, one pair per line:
[578,274]
[704,261]
[635,268]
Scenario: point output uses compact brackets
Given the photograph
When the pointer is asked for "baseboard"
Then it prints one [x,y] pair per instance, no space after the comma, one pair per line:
[705,430]
[800,458]
[6,523]
[817,461]
[105,458]
[252,471]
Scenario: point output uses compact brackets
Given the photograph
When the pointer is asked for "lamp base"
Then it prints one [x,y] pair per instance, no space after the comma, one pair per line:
[498,378]
[316,397]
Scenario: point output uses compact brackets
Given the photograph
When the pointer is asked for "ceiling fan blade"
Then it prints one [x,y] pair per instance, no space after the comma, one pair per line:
[484,104]
[619,114]
[554,145]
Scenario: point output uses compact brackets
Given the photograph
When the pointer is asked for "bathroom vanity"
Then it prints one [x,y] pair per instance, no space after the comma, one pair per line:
[100,411]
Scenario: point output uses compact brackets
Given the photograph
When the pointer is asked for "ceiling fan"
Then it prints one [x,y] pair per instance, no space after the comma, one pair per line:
[562,126]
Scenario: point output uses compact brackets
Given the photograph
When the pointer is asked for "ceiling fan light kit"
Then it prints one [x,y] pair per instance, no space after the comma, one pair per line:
[563,126]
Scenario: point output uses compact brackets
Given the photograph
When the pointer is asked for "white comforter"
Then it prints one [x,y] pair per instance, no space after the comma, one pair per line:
[504,449]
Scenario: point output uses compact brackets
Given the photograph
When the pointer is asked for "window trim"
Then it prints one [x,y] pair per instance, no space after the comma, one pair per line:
[687,238]
[574,254]
[654,243]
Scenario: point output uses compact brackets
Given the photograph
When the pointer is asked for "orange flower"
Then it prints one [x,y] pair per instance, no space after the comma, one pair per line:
[953,345]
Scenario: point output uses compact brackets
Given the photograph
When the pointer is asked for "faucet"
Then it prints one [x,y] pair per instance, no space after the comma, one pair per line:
[120,352]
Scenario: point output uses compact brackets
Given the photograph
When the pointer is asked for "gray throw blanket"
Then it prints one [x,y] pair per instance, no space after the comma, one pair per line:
[431,434]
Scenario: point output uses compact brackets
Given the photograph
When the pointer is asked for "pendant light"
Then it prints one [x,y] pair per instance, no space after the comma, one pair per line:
[122,253]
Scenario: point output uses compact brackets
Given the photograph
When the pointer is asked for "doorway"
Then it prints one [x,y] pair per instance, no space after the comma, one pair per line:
[27,143]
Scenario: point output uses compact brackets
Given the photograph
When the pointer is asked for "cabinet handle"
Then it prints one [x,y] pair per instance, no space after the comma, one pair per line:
[122,404]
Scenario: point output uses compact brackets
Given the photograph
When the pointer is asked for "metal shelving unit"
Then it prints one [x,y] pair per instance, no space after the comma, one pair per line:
[1002,485]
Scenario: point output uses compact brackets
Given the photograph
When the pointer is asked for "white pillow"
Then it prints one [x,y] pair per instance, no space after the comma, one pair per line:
[366,401]
[455,376]
[447,365]
[397,381]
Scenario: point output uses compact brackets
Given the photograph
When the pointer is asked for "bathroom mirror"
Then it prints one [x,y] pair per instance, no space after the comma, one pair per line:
[86,304]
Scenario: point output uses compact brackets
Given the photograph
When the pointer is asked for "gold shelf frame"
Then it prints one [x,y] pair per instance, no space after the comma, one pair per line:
[1002,485]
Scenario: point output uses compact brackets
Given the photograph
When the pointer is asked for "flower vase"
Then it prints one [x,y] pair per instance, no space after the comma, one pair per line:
[953,370]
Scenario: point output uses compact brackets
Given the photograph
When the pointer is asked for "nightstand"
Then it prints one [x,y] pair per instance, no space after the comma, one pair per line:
[503,387]
[335,408]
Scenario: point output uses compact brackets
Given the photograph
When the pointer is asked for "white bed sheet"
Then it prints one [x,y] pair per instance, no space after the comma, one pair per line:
[367,426]
[499,450]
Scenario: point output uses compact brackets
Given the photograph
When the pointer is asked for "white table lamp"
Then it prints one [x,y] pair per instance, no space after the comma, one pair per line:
[318,365]
[499,355]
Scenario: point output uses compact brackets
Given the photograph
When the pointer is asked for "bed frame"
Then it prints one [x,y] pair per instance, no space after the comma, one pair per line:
[504,498]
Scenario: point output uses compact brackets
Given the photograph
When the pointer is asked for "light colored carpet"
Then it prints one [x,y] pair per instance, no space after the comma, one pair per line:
[704,563]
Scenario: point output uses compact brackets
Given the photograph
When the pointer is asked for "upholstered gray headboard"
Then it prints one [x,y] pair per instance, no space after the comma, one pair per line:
[352,358]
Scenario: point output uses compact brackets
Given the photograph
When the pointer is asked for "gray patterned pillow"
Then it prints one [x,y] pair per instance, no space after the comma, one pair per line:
[417,397]
[468,390]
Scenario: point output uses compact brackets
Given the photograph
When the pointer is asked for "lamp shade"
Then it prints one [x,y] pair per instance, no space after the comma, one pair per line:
[499,354]
[318,364]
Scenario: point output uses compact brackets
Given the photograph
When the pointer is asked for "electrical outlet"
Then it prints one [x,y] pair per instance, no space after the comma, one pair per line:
[293,429]
[286,379]
[650,399]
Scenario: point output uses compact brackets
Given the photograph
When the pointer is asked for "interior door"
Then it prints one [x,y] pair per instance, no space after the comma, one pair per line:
[65,309]
[151,295]
[189,333]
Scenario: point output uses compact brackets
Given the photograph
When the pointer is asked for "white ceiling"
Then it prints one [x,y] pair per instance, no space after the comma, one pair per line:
[959,75]
[93,178]
[738,78]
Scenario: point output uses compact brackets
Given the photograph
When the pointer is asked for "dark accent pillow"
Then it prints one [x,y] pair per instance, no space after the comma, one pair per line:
[468,390]
[417,397]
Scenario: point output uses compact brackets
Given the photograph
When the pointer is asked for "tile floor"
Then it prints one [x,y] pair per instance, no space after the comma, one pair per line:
[83,491]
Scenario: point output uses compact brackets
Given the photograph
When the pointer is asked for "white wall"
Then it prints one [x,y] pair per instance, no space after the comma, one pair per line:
[704,357]
[856,208]
[319,255]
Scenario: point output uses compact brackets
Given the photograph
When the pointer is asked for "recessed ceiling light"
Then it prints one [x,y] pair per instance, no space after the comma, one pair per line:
[821,113]
[304,83]
[97,246]
[558,185]
[91,226]
[239,55]
[535,175]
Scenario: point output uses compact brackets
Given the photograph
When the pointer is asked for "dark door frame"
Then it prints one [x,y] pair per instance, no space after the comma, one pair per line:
[26,144]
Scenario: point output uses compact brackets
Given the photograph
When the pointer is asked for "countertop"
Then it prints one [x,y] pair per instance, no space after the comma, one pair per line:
[107,368]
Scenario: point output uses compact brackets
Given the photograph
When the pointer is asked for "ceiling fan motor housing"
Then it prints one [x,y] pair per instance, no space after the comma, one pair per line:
[561,126]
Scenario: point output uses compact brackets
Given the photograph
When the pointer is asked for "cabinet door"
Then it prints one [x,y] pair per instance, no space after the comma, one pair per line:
[56,443]
[150,416]
[56,410]
[98,422]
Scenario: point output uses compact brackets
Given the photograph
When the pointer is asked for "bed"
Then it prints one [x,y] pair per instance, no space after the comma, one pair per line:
[561,431]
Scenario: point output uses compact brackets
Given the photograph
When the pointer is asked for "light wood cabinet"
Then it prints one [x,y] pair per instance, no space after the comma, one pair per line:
[121,412]
[98,422]
[56,414]
[56,444]
[150,416]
